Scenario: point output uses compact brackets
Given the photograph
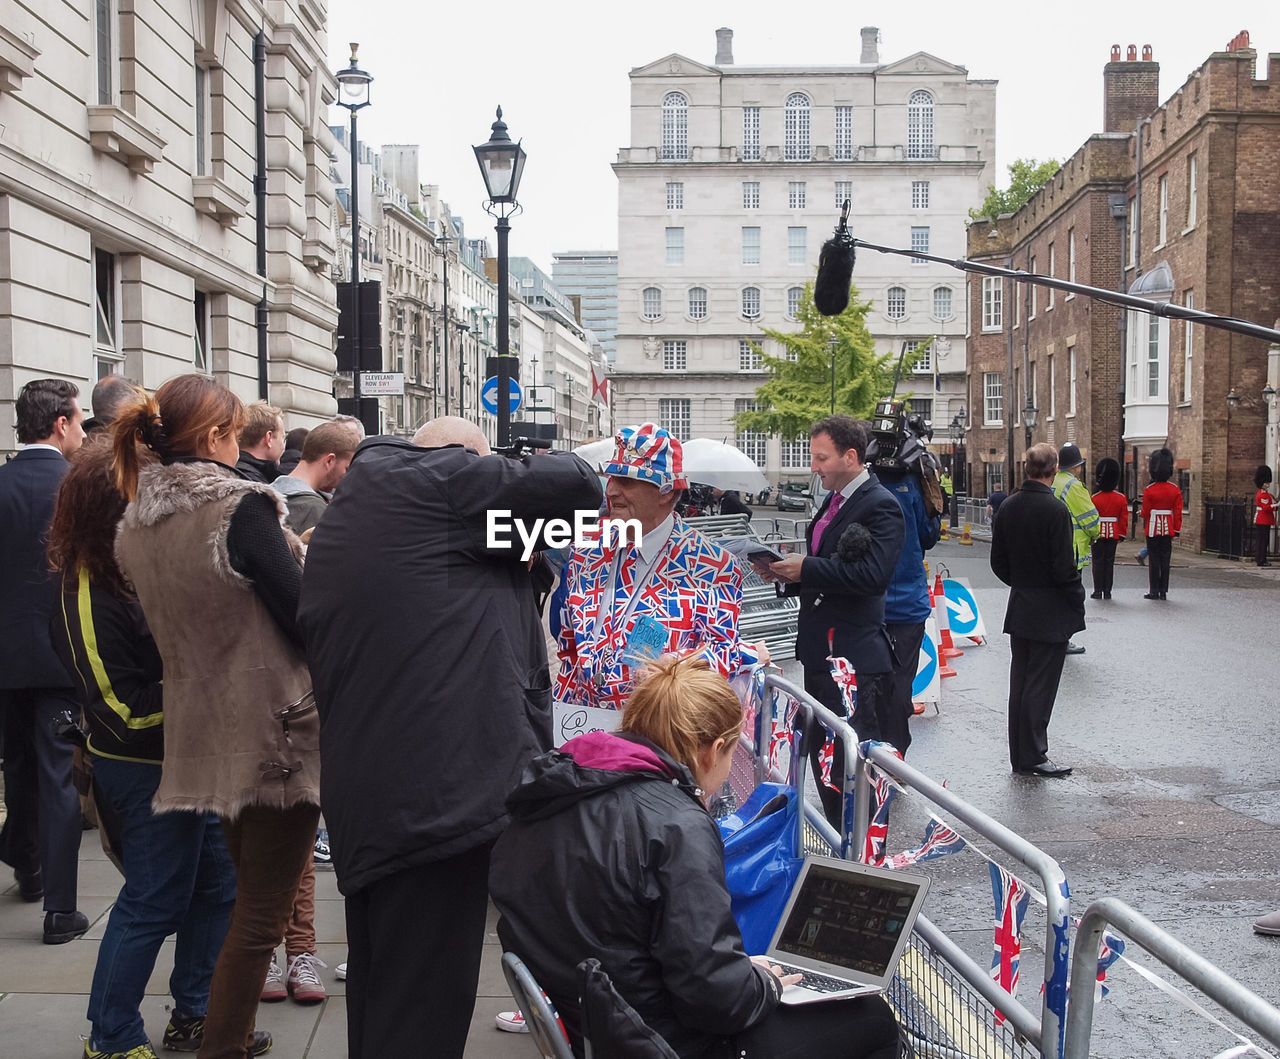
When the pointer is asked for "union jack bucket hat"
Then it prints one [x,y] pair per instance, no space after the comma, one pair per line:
[648,453]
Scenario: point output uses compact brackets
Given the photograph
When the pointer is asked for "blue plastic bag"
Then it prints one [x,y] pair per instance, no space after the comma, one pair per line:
[762,860]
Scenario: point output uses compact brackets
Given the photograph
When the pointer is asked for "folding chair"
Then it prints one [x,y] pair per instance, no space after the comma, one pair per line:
[538,1013]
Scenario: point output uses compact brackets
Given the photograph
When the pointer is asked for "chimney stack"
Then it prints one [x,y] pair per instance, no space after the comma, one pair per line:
[724,47]
[870,40]
[1130,89]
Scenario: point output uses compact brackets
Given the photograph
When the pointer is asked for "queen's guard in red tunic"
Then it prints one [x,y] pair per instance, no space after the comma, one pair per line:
[1113,515]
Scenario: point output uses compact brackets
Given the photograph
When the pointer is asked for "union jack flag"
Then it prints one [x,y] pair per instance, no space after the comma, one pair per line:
[1010,896]
[847,681]
[939,840]
[825,759]
[884,790]
[1112,949]
[782,722]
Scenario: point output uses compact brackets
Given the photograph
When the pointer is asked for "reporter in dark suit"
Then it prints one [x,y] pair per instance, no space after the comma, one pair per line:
[1032,552]
[854,542]
[41,836]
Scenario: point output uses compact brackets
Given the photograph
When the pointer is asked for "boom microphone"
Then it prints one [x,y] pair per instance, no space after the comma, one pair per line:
[835,269]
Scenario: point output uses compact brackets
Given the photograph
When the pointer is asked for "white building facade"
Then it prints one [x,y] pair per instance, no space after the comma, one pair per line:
[734,180]
[129,222]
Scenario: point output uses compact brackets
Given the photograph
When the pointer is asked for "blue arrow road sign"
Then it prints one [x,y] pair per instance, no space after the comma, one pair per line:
[962,608]
[927,668]
[489,395]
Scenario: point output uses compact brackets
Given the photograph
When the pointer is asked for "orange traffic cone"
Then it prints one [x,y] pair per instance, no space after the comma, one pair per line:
[965,536]
[948,648]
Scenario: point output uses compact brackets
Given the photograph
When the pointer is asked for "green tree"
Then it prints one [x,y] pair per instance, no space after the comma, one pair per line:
[798,393]
[1026,177]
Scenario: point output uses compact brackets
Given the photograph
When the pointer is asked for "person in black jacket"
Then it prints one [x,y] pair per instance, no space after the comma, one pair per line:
[611,854]
[430,668]
[1032,551]
[853,542]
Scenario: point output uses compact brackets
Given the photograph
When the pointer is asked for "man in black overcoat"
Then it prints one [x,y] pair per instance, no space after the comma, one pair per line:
[854,541]
[1032,552]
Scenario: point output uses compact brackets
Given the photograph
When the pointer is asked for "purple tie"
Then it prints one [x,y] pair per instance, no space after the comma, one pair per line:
[822,523]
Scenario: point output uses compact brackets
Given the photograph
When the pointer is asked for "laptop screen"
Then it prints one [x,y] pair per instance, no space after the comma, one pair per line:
[850,920]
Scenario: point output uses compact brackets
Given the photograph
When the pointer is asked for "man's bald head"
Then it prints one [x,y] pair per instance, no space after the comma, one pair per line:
[451,430]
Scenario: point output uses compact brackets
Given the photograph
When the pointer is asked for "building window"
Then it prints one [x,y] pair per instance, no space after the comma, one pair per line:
[1133,233]
[1153,356]
[798,148]
[751,194]
[675,195]
[1192,181]
[992,399]
[796,453]
[753,443]
[106,39]
[994,477]
[675,246]
[675,127]
[201,330]
[651,302]
[793,300]
[203,139]
[1164,209]
[1188,347]
[106,312]
[922,350]
[1071,380]
[919,242]
[942,303]
[992,303]
[1031,293]
[844,134]
[1071,257]
[751,134]
[919,194]
[923,407]
[751,302]
[844,193]
[896,303]
[749,357]
[697,303]
[1052,270]
[920,125]
[797,243]
[675,415]
[750,245]
[675,355]
[795,195]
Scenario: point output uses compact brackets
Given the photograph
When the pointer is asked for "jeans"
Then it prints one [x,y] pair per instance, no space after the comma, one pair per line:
[178,877]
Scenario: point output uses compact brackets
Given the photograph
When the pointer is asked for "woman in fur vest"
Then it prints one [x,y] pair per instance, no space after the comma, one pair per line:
[218,577]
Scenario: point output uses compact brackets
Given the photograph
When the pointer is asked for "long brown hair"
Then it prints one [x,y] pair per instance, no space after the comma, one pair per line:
[171,424]
[82,534]
[683,705]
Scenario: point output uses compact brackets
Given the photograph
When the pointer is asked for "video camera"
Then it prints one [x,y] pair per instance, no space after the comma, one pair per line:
[898,439]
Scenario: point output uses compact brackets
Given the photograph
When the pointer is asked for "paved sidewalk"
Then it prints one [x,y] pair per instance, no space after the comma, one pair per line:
[44,989]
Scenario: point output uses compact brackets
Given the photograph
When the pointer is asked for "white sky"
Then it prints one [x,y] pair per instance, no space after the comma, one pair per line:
[559,70]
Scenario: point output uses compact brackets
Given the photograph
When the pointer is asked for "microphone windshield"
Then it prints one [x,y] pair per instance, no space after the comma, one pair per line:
[835,270]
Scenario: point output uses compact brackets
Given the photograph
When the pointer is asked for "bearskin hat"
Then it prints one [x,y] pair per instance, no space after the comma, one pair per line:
[1262,476]
[1108,475]
[1161,465]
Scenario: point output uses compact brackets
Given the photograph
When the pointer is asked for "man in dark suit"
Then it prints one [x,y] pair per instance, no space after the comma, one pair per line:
[1032,552]
[41,835]
[854,542]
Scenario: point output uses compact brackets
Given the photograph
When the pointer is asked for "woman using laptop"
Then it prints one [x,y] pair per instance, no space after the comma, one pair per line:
[611,853]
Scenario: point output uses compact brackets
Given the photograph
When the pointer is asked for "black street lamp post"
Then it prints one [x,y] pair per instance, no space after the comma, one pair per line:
[353,93]
[502,164]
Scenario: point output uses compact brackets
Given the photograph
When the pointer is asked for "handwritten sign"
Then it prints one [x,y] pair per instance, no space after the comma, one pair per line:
[568,721]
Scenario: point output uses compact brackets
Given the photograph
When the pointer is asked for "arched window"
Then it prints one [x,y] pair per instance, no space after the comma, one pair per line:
[750,302]
[896,303]
[920,125]
[793,300]
[675,126]
[942,303]
[697,303]
[651,303]
[798,147]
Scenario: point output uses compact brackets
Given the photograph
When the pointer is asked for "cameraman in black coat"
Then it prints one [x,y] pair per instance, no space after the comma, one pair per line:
[430,670]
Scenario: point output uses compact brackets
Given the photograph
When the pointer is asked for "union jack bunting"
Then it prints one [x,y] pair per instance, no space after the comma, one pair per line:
[939,840]
[781,721]
[884,791]
[1111,950]
[1010,896]
[847,681]
[825,759]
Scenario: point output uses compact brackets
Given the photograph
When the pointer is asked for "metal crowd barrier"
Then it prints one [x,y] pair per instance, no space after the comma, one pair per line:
[721,525]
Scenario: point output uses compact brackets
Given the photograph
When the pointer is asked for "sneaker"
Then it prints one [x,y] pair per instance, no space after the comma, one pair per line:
[142,1051]
[185,1033]
[511,1021]
[320,851]
[273,989]
[303,983]
[340,972]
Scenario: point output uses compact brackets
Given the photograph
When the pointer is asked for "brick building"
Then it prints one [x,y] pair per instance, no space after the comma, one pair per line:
[1181,203]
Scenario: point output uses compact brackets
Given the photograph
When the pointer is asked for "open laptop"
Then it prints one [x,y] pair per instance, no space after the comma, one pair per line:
[844,928]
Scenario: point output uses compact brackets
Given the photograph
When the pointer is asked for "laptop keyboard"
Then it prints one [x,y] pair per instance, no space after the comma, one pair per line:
[819,983]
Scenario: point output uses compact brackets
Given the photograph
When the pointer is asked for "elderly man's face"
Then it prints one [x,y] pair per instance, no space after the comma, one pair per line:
[631,498]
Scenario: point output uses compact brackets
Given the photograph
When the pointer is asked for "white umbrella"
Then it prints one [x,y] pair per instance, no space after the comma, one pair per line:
[597,453]
[714,463]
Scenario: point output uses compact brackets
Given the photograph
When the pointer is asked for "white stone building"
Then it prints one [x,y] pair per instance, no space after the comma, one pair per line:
[726,194]
[131,233]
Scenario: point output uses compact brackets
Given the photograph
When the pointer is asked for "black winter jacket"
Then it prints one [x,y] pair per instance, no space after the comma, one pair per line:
[622,862]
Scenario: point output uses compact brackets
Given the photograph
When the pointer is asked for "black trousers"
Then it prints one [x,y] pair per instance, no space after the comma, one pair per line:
[1261,540]
[1104,564]
[414,942]
[899,708]
[42,830]
[1034,673]
[1159,557]
[860,1028]
[874,719]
